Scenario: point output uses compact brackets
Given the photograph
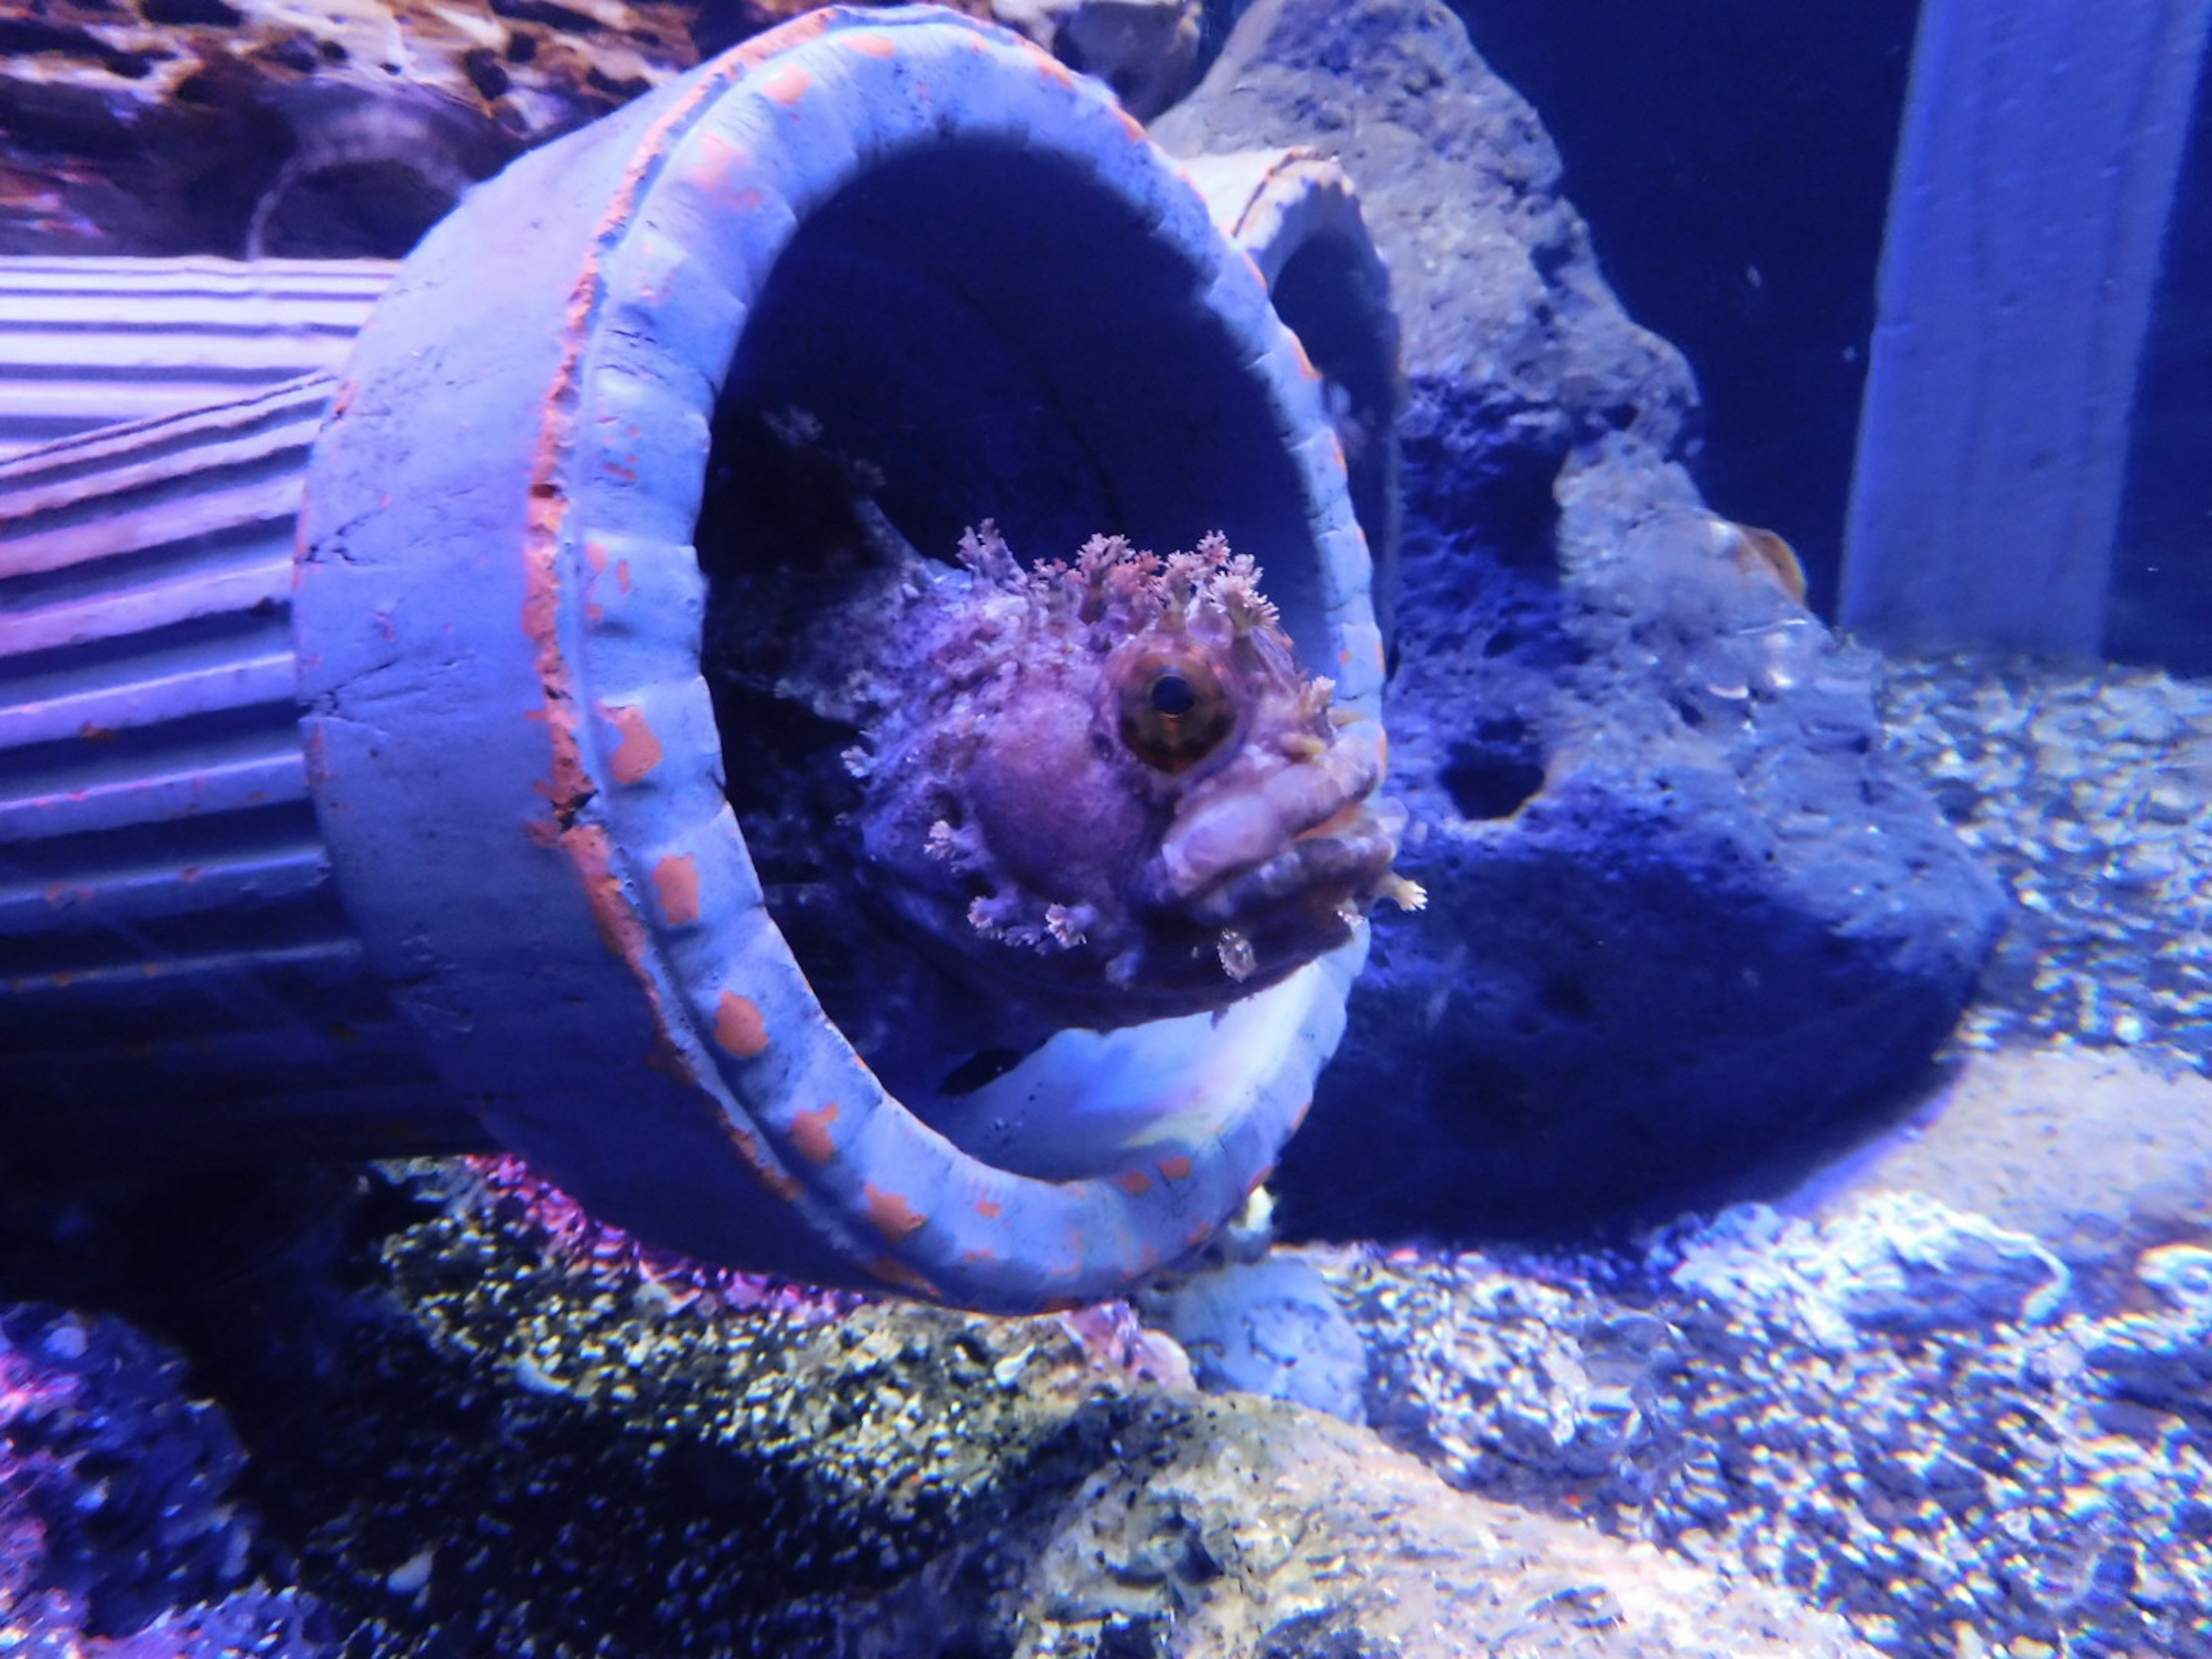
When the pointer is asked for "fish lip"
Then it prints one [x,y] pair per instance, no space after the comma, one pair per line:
[1365,843]
[1344,855]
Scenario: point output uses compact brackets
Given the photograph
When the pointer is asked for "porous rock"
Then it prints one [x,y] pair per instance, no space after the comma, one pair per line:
[1270,1327]
[1901,1263]
[1255,1528]
[1145,50]
[1684,906]
[118,1516]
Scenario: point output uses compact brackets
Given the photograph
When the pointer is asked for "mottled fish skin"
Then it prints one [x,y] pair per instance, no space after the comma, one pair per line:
[1108,786]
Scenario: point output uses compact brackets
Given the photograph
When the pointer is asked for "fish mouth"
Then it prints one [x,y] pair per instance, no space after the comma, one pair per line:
[1286,862]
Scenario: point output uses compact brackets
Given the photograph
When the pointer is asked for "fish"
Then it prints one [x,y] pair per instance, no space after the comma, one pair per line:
[1099,789]
[1106,783]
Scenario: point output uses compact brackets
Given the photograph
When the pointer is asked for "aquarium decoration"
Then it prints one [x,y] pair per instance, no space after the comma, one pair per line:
[172,336]
[902,223]
[2035,176]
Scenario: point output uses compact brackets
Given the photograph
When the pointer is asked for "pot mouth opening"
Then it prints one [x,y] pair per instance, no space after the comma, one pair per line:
[972,331]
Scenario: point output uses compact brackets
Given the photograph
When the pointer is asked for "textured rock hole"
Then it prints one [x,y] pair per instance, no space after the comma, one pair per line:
[1493,773]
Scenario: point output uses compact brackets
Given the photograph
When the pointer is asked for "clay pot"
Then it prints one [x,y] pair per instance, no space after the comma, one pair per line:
[971,268]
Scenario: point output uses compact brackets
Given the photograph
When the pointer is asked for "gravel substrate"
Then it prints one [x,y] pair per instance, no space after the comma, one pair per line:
[2090,791]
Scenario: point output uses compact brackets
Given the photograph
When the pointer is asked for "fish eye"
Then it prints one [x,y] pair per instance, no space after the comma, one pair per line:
[1175,711]
[1172,694]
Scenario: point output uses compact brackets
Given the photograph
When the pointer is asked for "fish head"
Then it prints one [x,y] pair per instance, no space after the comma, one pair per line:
[1114,792]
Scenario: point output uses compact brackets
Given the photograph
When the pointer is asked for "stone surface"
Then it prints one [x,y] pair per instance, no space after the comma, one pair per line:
[1255,1528]
[481,1450]
[2097,1153]
[343,128]
[1684,906]
[1145,50]
[1270,1328]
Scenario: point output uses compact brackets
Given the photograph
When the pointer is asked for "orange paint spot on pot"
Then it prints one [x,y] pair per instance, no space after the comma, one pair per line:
[1135,1182]
[787,85]
[892,1216]
[810,1133]
[989,1209]
[875,45]
[639,752]
[1175,1167]
[677,878]
[739,1028]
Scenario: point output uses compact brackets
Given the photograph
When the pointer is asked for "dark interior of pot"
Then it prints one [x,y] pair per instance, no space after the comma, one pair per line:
[1335,297]
[971,333]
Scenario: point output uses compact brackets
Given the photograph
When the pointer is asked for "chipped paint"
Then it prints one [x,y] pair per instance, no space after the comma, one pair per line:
[740,1027]
[786,85]
[639,751]
[891,1215]
[810,1133]
[621,928]
[677,878]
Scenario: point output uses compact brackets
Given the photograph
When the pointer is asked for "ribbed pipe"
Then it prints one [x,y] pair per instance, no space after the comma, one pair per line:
[91,342]
[168,928]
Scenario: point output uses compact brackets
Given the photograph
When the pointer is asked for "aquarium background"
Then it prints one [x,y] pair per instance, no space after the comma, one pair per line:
[1738,1300]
